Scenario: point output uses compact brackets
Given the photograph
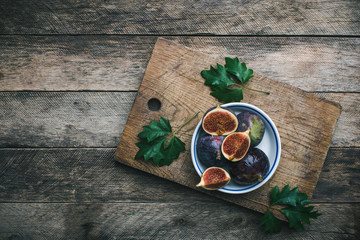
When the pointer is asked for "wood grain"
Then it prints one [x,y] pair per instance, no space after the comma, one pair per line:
[82,193]
[41,119]
[305,122]
[74,175]
[117,63]
[181,17]
[200,220]
[63,119]
[350,110]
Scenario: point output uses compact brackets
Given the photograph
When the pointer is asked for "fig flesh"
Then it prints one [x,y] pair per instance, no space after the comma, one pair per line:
[235,146]
[214,178]
[219,121]
[209,151]
[251,169]
[248,120]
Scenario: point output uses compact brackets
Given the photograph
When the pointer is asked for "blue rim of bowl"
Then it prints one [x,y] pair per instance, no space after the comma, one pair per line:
[277,155]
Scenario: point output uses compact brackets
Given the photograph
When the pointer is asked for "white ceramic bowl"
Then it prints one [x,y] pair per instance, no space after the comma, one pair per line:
[270,145]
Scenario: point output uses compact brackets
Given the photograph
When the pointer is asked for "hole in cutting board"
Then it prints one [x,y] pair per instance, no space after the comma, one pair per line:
[154,104]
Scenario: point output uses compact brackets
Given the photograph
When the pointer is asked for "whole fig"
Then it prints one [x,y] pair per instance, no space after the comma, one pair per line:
[209,151]
[248,120]
[251,169]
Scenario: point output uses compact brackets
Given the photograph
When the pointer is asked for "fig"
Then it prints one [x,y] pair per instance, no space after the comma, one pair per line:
[209,151]
[214,178]
[235,146]
[251,169]
[219,121]
[248,120]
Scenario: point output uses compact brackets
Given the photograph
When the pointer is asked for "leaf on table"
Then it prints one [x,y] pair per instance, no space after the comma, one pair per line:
[270,222]
[156,129]
[217,77]
[299,214]
[238,69]
[227,95]
[287,196]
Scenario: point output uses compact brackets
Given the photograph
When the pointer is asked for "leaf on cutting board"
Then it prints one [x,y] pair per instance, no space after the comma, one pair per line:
[238,69]
[153,149]
[156,129]
[227,94]
[217,77]
[159,143]
[287,196]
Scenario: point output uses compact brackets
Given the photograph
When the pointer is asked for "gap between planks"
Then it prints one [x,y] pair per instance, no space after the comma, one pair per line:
[189,35]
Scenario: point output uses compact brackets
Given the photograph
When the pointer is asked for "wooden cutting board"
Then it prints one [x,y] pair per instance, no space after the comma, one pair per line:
[304,120]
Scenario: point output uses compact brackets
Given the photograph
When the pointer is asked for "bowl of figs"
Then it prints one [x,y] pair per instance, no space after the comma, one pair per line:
[235,148]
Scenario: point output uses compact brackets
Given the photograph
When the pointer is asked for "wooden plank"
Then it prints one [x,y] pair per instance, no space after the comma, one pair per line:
[181,17]
[117,63]
[349,120]
[97,119]
[80,175]
[200,220]
[63,119]
[337,182]
[91,175]
[73,62]
[305,122]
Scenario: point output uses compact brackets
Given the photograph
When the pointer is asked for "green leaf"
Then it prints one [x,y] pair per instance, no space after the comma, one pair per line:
[238,69]
[227,95]
[270,222]
[156,129]
[153,149]
[298,215]
[172,151]
[287,196]
[217,77]
[159,143]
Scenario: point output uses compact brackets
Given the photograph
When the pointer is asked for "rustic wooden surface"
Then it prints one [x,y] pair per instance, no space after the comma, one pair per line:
[305,122]
[69,73]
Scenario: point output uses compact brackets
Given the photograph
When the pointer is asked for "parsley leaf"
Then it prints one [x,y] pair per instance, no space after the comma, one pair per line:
[287,196]
[151,150]
[156,129]
[221,78]
[271,223]
[173,150]
[159,143]
[217,77]
[298,215]
[238,69]
[227,94]
[296,210]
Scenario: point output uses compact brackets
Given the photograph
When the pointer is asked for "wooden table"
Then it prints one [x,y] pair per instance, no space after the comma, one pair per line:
[70,71]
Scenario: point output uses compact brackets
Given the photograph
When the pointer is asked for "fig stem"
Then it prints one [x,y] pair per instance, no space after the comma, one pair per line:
[251,89]
[186,122]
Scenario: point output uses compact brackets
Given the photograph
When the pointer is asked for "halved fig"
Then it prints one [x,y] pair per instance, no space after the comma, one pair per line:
[236,145]
[214,178]
[248,120]
[219,121]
